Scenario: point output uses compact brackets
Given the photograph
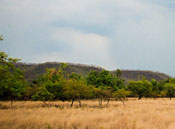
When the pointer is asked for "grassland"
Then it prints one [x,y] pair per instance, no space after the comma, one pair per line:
[135,114]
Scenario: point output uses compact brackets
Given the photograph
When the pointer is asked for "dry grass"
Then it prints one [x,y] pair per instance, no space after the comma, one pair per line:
[136,114]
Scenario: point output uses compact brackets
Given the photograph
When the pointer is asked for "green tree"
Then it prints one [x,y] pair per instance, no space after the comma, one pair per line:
[163,94]
[75,76]
[170,89]
[155,88]
[118,73]
[92,78]
[142,88]
[118,82]
[53,81]
[12,83]
[102,93]
[43,94]
[76,90]
[121,95]
[171,80]
[103,78]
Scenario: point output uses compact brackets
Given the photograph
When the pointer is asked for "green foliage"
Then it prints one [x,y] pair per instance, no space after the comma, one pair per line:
[142,88]
[12,83]
[63,66]
[105,79]
[170,90]
[75,76]
[163,94]
[33,71]
[52,82]
[43,94]
[118,73]
[171,80]
[102,93]
[121,94]
[118,82]
[76,90]
[97,79]
[155,88]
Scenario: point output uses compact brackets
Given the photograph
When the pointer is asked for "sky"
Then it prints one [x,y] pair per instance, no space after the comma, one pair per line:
[124,34]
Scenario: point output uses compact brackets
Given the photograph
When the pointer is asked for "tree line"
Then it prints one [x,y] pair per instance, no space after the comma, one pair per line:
[57,84]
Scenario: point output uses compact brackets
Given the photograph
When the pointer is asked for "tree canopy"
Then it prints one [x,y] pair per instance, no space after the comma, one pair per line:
[12,83]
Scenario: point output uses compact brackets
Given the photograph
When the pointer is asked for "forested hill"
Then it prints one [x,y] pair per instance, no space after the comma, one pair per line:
[138,74]
[33,71]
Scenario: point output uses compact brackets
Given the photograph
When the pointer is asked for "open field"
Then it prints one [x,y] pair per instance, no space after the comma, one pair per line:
[135,114]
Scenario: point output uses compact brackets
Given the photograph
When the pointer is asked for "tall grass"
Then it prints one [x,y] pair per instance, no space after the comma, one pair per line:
[136,114]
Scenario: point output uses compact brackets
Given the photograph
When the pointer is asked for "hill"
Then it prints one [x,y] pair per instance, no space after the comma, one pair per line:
[138,74]
[33,71]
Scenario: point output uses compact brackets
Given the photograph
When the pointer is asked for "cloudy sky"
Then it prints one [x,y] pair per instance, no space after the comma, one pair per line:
[125,34]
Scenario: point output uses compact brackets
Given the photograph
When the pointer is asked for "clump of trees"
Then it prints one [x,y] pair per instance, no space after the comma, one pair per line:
[152,89]
[141,88]
[56,84]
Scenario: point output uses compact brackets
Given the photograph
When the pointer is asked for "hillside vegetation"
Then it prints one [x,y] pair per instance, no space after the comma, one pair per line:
[33,71]
[138,74]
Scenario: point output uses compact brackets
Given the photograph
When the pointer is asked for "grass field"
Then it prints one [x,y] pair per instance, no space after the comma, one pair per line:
[135,114]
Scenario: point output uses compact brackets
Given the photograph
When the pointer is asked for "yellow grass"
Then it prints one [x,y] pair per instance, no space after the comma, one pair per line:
[135,114]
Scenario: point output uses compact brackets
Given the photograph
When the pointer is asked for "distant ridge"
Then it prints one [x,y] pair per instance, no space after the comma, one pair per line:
[33,71]
[139,74]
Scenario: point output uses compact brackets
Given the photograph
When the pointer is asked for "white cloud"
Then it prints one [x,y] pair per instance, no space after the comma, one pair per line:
[87,48]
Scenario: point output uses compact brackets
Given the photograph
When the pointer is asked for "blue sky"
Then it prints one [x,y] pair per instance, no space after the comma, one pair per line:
[125,34]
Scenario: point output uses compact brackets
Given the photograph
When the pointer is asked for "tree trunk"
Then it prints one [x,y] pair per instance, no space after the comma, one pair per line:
[45,103]
[11,103]
[139,97]
[122,100]
[72,102]
[108,102]
[79,103]
[100,102]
